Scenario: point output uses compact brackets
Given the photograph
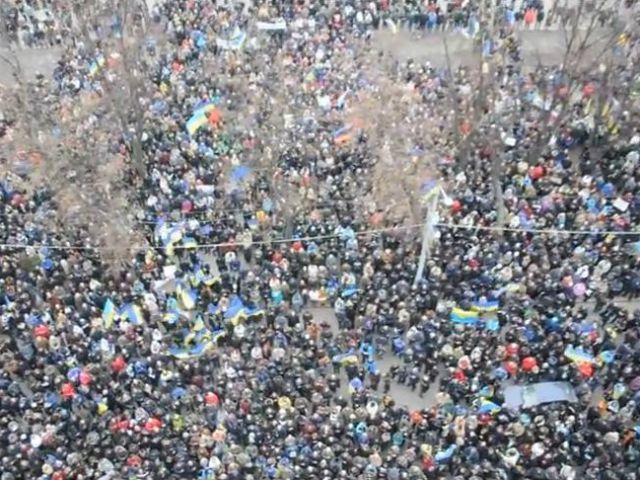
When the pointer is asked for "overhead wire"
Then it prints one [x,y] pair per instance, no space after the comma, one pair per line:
[313,238]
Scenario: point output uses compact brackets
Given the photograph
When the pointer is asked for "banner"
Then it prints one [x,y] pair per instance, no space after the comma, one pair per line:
[234,43]
[278,25]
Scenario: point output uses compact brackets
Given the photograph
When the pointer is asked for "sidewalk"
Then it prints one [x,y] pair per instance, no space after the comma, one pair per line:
[538,46]
[32,60]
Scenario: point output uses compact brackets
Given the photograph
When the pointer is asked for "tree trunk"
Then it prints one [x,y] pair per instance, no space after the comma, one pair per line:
[454,93]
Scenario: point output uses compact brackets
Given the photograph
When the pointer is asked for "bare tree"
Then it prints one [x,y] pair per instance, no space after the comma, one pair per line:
[68,144]
[586,46]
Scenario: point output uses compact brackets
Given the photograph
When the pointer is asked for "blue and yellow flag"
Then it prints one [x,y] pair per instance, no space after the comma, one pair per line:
[485,305]
[94,68]
[195,123]
[464,317]
[429,188]
[188,297]
[183,353]
[487,406]
[198,276]
[346,358]
[132,313]
[607,356]
[343,135]
[236,311]
[108,313]
[204,109]
[195,344]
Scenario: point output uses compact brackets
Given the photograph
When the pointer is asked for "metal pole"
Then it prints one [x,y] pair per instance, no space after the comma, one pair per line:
[428,232]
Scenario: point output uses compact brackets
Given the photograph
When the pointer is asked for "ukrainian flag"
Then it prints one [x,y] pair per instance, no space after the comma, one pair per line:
[195,122]
[198,277]
[108,313]
[132,313]
[485,306]
[342,135]
[203,341]
[429,188]
[199,349]
[96,65]
[610,120]
[162,231]
[204,109]
[253,312]
[182,353]
[188,297]
[190,338]
[487,406]
[463,317]
[347,358]
[236,310]
[172,305]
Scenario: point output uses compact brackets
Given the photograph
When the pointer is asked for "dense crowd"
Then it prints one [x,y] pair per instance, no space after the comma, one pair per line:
[201,359]
[45,23]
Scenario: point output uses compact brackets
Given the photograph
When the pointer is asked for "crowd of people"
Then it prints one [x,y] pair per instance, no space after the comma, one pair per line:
[202,357]
[47,23]
[38,23]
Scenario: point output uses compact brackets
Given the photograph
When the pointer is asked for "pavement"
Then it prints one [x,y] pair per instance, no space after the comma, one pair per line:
[538,46]
[32,61]
[545,47]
